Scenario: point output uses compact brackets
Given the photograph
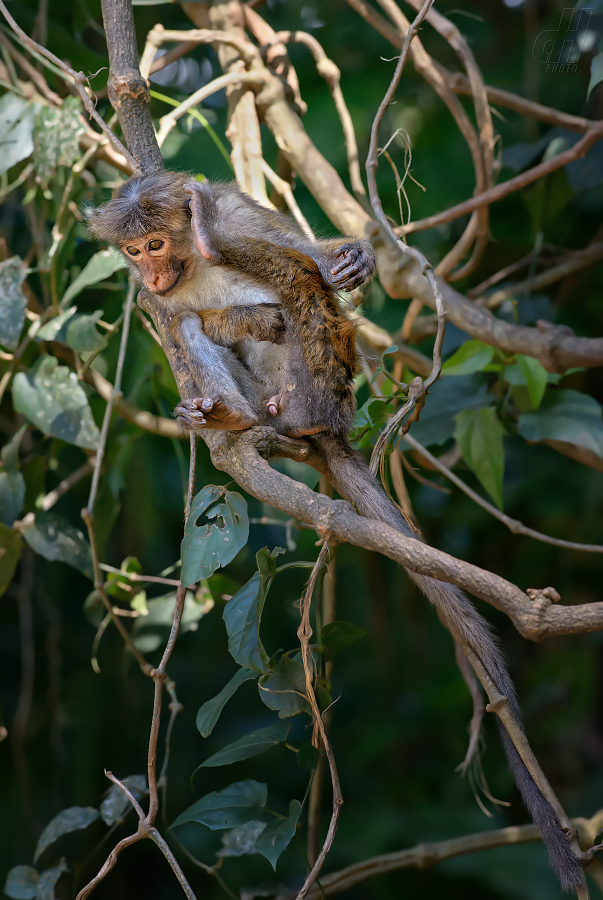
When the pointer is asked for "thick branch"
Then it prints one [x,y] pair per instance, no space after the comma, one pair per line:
[128,91]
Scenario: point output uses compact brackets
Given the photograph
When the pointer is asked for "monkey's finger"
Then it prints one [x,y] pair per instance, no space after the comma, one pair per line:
[352,271]
[345,248]
[350,259]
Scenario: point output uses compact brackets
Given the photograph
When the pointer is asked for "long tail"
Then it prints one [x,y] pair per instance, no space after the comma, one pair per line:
[351,477]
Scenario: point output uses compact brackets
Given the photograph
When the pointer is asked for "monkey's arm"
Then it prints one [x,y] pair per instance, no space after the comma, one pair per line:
[262,321]
[343,265]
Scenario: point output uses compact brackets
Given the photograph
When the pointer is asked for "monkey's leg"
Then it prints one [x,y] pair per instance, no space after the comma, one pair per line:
[222,380]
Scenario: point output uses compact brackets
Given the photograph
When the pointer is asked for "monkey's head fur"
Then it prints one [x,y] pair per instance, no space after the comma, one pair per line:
[148,219]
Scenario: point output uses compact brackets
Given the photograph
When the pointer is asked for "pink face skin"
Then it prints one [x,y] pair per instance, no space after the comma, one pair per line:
[160,269]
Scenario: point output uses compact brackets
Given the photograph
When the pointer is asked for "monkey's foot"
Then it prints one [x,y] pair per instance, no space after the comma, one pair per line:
[202,413]
[356,265]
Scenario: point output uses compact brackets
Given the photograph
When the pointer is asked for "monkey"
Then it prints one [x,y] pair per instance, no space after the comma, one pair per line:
[255,313]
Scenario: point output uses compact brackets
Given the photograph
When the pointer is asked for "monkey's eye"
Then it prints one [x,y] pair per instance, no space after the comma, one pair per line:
[155,245]
[133,251]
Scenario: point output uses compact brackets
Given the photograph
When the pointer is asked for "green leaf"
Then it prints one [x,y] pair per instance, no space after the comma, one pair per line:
[479,435]
[336,636]
[16,130]
[48,879]
[250,745]
[234,805]
[596,73]
[536,378]
[75,330]
[54,538]
[447,397]
[472,356]
[308,756]
[10,452]
[68,820]
[284,688]
[101,266]
[210,712]
[243,613]
[278,834]
[241,840]
[13,301]
[150,631]
[21,883]
[207,547]
[11,547]
[116,804]
[12,496]
[56,135]
[51,397]
[565,416]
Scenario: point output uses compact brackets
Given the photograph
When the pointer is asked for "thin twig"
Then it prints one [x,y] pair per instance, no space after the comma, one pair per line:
[514,526]
[304,632]
[284,189]
[79,80]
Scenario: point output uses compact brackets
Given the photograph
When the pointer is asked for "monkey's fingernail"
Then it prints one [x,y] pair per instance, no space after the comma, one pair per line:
[207,405]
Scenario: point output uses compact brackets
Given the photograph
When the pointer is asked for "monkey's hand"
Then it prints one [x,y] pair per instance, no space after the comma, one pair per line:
[353,264]
[204,215]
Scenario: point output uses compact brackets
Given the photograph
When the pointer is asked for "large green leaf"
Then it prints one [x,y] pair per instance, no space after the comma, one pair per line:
[54,538]
[11,547]
[479,435]
[243,614]
[21,883]
[68,820]
[101,266]
[12,301]
[565,416]
[12,496]
[56,135]
[278,834]
[284,688]
[210,712]
[51,397]
[250,745]
[207,547]
[77,331]
[472,356]
[234,805]
[16,130]
[446,398]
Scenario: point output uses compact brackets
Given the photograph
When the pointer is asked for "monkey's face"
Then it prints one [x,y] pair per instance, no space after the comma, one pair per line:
[161,269]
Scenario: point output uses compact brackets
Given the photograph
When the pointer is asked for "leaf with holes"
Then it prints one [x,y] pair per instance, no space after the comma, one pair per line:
[243,614]
[22,883]
[565,416]
[249,745]
[51,397]
[12,301]
[68,820]
[101,266]
[278,834]
[236,804]
[479,435]
[54,538]
[16,130]
[56,135]
[207,547]
[209,713]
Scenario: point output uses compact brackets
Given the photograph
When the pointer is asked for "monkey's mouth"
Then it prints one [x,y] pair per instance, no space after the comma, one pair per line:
[172,287]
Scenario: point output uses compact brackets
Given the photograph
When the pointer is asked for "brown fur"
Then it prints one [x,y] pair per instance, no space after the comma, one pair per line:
[263,322]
